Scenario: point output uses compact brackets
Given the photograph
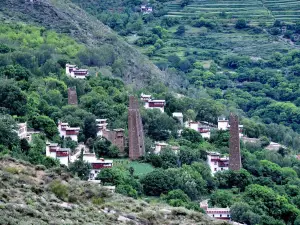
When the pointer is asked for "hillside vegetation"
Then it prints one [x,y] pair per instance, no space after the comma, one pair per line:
[33,195]
[65,17]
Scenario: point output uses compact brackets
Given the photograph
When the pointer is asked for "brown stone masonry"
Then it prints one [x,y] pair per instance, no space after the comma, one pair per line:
[135,130]
[116,137]
[72,96]
[234,144]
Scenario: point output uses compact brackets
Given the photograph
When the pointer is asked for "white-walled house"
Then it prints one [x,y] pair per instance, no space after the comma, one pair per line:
[159,146]
[62,154]
[101,126]
[74,72]
[217,213]
[216,162]
[153,104]
[66,131]
[179,116]
[25,133]
[97,164]
[223,124]
[203,129]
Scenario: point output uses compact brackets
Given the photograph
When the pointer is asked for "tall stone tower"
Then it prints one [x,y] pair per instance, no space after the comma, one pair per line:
[135,130]
[72,96]
[235,162]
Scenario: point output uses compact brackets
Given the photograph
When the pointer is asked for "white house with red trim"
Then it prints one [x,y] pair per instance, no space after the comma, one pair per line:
[62,154]
[149,103]
[159,146]
[216,162]
[74,72]
[217,213]
[223,124]
[200,127]
[97,164]
[66,131]
[101,126]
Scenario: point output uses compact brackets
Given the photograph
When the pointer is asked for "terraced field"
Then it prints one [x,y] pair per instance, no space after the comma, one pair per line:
[285,10]
[255,11]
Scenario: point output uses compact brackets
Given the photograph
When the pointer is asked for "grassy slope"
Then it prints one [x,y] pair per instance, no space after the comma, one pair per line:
[67,18]
[26,198]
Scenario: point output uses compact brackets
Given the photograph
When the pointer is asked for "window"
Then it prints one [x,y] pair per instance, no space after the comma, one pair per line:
[215,169]
[215,163]
[228,215]
[220,215]
[221,168]
[213,215]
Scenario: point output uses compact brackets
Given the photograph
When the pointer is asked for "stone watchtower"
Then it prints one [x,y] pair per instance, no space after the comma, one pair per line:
[72,96]
[135,130]
[234,144]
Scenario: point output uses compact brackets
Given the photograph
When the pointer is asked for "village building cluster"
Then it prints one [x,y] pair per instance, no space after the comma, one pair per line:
[74,72]
[149,103]
[65,131]
[205,128]
[25,133]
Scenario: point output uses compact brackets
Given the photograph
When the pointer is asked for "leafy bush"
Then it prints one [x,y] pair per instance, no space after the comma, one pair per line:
[98,200]
[12,170]
[127,190]
[60,190]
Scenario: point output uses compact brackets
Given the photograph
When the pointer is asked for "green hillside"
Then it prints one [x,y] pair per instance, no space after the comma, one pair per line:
[205,59]
[66,18]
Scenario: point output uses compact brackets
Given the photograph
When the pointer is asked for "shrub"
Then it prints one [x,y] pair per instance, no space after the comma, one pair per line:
[40,167]
[97,201]
[127,190]
[240,24]
[60,190]
[12,170]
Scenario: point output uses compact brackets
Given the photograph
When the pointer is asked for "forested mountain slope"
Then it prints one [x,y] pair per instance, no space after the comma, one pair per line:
[65,17]
[242,53]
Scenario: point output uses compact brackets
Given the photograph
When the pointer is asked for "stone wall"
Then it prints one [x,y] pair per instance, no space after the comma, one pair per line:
[135,130]
[234,144]
[72,96]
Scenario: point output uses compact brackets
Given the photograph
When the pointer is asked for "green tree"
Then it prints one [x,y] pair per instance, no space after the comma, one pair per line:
[37,151]
[90,127]
[113,151]
[127,190]
[112,176]
[157,182]
[192,135]
[46,125]
[101,147]
[8,134]
[221,199]
[180,30]
[241,24]
[25,147]
[81,169]
[176,198]
[12,98]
